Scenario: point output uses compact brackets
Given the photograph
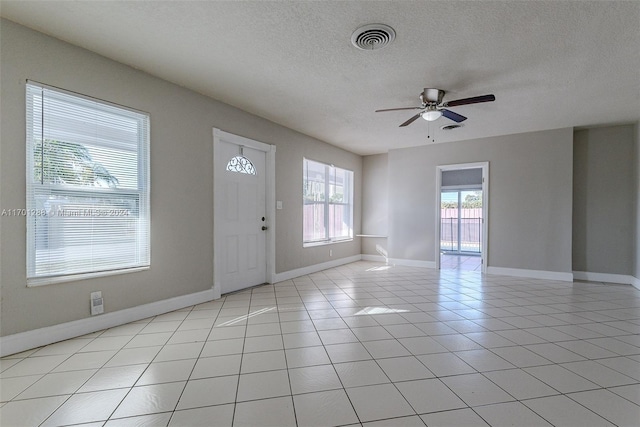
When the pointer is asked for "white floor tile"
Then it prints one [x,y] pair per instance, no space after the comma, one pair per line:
[81,361]
[217,366]
[610,406]
[153,420]
[411,421]
[520,356]
[337,336]
[266,343]
[306,356]
[599,374]
[209,391]
[562,411]
[327,408]
[166,372]
[30,412]
[404,369]
[301,339]
[216,348]
[349,352]
[427,332]
[133,356]
[355,374]
[56,384]
[37,365]
[422,345]
[430,395]
[313,378]
[385,348]
[377,402]
[475,390]
[510,414]
[263,361]
[372,333]
[12,387]
[520,384]
[484,360]
[561,379]
[629,392]
[456,418]
[263,385]
[445,364]
[277,412]
[87,407]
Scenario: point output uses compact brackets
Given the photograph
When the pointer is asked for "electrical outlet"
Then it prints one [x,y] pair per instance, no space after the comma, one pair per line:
[97,303]
[330,252]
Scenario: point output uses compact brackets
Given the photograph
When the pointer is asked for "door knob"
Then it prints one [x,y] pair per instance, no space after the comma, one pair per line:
[264,228]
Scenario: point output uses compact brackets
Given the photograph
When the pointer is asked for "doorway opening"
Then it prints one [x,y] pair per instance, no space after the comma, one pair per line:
[461,217]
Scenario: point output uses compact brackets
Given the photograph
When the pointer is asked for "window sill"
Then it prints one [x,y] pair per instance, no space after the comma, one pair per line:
[42,281]
[325,243]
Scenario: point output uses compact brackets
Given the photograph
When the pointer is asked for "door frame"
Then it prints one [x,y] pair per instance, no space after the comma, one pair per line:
[484,249]
[270,201]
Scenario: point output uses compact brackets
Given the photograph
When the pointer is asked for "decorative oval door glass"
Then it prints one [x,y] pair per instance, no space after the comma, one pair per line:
[241,164]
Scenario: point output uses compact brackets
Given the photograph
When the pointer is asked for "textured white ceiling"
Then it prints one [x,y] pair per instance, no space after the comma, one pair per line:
[550,64]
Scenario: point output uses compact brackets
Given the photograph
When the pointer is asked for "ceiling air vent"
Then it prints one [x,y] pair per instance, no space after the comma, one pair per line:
[373,36]
[451,126]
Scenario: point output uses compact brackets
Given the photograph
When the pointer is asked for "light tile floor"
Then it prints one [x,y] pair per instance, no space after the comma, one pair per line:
[362,344]
[460,262]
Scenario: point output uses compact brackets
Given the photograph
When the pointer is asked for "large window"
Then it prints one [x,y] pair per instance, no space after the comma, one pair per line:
[328,203]
[87,187]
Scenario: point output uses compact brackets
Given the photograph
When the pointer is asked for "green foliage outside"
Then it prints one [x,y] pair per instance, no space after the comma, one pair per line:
[470,201]
[69,163]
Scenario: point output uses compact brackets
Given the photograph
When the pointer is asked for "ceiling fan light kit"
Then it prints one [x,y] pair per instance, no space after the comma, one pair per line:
[431,115]
[432,106]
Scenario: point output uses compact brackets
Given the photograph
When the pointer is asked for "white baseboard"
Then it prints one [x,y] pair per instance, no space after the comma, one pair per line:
[375,258]
[22,341]
[636,283]
[286,275]
[620,279]
[412,263]
[531,274]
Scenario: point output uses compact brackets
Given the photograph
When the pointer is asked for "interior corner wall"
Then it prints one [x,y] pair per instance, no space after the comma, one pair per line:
[604,200]
[530,186]
[375,208]
[637,210]
[181,182]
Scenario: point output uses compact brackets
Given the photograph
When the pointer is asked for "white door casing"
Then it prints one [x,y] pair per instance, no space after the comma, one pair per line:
[244,214]
[484,250]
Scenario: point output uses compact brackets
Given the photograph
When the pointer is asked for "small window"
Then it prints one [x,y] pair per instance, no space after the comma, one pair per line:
[241,164]
[87,187]
[328,203]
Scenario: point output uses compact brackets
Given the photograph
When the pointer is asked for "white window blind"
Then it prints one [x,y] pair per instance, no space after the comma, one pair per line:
[328,203]
[87,187]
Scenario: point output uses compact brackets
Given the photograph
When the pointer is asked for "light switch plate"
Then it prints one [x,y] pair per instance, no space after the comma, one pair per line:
[279,204]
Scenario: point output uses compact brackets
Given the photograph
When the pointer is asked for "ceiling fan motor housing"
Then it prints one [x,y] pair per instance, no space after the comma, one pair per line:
[432,96]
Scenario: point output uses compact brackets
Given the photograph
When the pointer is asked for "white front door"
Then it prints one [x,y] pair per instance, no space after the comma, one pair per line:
[240,214]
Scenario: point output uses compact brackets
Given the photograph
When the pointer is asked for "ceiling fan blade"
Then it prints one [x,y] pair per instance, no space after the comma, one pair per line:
[411,120]
[398,109]
[453,116]
[466,101]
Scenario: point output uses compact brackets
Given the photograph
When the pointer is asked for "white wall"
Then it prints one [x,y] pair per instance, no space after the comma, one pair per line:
[181,181]
[375,207]
[604,200]
[529,198]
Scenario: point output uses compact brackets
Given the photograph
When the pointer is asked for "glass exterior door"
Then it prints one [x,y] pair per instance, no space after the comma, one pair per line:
[461,221]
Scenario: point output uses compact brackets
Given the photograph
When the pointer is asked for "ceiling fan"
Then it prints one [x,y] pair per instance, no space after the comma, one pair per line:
[432,106]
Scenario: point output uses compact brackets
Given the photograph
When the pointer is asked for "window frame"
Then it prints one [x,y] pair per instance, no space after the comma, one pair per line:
[327,203]
[140,195]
